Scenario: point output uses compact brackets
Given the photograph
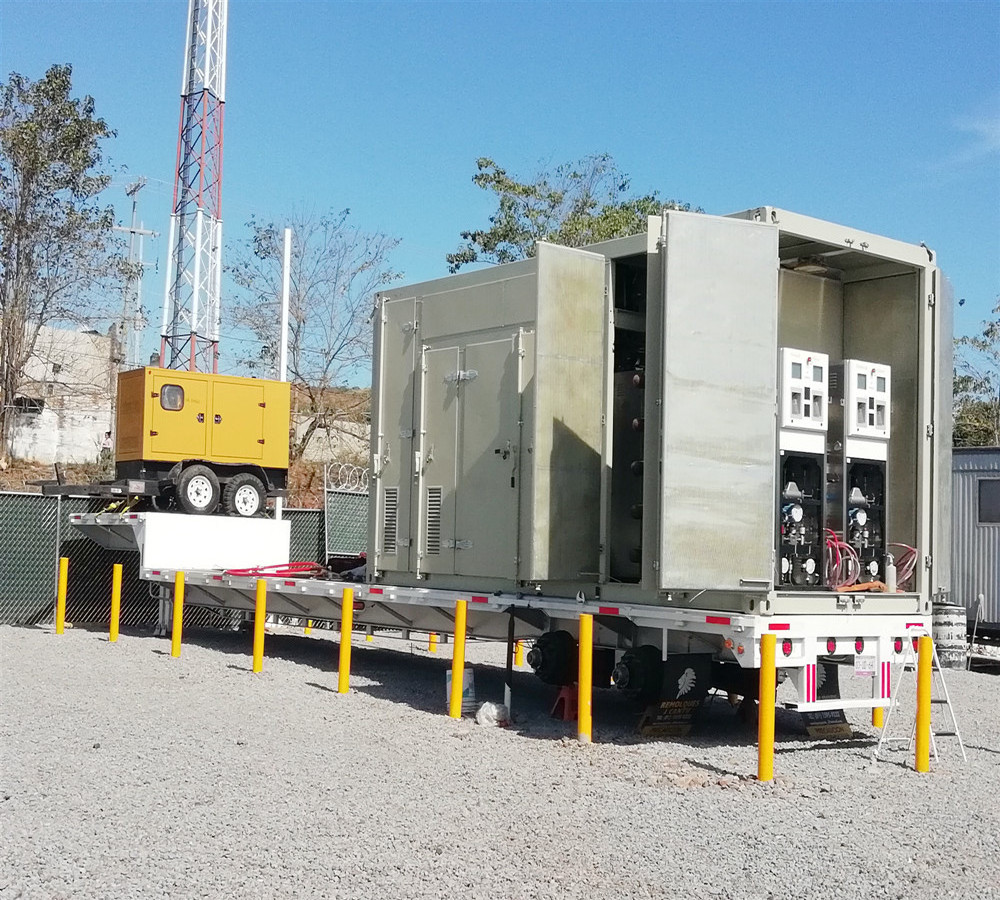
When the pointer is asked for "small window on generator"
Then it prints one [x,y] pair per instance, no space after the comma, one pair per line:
[818,373]
[796,370]
[817,406]
[880,415]
[796,403]
[880,384]
[989,501]
[862,381]
[862,414]
[172,397]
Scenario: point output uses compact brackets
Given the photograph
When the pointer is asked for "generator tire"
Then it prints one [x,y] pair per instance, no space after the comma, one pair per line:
[244,495]
[198,491]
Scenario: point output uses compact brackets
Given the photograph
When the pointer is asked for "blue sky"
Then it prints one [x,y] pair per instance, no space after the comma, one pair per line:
[885,116]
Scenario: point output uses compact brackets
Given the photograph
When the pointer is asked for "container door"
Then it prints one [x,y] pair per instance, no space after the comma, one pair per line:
[436,460]
[489,446]
[237,426]
[394,387]
[178,423]
[719,368]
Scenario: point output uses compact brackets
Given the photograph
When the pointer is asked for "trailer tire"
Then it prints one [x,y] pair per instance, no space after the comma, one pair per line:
[198,491]
[244,496]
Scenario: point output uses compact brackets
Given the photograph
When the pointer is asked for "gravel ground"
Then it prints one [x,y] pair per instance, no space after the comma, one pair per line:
[126,773]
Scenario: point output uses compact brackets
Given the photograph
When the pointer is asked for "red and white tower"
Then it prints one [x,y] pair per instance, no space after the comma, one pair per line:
[191,312]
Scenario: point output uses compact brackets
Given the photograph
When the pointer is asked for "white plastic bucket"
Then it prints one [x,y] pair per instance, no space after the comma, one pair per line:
[468,691]
[949,630]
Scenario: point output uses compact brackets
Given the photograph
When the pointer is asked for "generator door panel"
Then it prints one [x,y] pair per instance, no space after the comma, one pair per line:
[237,421]
[178,420]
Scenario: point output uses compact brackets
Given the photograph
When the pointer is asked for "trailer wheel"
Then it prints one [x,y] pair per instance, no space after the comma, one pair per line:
[243,495]
[198,491]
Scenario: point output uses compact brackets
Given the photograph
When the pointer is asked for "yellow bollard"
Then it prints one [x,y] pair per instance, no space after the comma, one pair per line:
[765,713]
[585,679]
[432,642]
[178,623]
[116,602]
[519,653]
[346,629]
[924,654]
[878,717]
[259,617]
[61,594]
[458,660]
[309,626]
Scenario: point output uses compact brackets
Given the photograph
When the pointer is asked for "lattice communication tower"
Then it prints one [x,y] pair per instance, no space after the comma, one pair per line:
[191,311]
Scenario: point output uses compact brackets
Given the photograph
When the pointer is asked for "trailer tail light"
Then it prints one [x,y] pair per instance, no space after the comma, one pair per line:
[359,604]
[897,645]
[831,645]
[786,646]
[915,645]
[739,649]
[859,645]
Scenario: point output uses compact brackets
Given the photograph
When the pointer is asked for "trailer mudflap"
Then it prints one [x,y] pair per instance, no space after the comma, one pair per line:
[686,680]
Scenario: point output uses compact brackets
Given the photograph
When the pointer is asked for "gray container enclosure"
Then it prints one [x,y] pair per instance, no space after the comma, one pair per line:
[976,533]
[604,420]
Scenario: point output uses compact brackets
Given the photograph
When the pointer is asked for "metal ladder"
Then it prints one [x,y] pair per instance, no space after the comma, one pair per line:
[909,660]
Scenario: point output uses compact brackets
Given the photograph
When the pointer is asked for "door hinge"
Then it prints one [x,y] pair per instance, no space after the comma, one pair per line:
[931,299]
[458,545]
[262,405]
[260,440]
[153,433]
[930,430]
[928,561]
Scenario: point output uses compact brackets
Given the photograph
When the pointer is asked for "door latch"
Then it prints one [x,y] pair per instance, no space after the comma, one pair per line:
[218,419]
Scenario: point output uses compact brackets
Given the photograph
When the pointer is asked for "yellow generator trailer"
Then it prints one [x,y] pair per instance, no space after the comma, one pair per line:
[197,441]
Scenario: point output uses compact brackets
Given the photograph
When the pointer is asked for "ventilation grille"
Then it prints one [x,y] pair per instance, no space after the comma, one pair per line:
[433,530]
[390,508]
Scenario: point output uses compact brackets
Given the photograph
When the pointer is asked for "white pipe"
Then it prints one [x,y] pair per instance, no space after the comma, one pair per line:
[286,275]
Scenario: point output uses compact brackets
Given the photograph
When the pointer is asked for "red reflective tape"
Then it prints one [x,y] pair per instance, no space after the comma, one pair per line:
[914,624]
[607,610]
[289,584]
[718,620]
[779,626]
[374,590]
[216,578]
[480,599]
[155,572]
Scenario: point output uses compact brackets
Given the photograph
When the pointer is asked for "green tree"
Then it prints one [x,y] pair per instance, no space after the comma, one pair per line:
[575,204]
[55,238]
[335,271]
[977,386]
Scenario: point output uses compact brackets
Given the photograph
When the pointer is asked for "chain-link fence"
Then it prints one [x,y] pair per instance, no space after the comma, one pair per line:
[35,532]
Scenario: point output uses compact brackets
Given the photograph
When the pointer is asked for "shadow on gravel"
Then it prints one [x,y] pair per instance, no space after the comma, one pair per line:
[417,680]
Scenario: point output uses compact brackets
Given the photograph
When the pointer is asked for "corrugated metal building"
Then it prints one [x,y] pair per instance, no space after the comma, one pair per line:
[975,536]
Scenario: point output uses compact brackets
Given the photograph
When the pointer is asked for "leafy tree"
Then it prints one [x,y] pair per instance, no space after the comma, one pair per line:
[575,204]
[335,271]
[55,238]
[977,386]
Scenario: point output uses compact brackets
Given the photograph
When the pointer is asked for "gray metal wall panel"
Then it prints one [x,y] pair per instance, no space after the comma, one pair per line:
[882,324]
[569,391]
[719,375]
[975,548]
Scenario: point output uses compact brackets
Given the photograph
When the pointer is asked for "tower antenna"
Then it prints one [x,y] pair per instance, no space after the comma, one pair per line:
[189,338]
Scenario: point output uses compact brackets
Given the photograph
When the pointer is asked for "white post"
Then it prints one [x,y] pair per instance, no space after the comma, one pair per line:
[286,275]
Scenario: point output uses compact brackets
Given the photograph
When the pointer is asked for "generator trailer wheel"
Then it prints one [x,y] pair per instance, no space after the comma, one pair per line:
[244,495]
[198,491]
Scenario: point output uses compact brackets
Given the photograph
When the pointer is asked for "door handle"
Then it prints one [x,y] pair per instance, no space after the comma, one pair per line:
[201,417]
[218,419]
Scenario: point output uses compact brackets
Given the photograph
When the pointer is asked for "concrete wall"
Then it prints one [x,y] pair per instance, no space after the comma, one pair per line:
[67,397]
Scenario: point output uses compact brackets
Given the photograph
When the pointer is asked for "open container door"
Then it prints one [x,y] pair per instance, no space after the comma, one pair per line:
[719,371]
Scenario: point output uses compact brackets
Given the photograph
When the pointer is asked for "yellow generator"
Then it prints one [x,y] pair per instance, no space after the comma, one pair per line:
[197,441]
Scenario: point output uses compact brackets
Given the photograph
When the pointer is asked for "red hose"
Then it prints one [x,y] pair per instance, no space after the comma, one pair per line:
[281,570]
